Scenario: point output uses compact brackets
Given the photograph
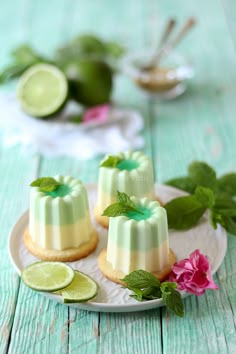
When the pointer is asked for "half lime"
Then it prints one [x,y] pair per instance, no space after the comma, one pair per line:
[47,276]
[42,90]
[82,289]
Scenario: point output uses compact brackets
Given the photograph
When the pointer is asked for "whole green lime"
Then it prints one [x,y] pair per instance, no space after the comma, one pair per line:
[90,81]
[88,44]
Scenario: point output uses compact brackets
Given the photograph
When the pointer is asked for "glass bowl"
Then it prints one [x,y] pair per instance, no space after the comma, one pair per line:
[166,81]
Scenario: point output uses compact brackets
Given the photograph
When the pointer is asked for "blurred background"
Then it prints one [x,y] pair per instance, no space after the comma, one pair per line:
[137,25]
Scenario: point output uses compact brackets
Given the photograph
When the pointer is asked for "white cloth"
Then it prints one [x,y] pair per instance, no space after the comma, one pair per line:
[57,137]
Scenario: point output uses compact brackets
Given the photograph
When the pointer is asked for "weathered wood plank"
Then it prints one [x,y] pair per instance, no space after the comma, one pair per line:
[199,126]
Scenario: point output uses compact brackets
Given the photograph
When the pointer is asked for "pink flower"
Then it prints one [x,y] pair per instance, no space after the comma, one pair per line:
[193,274]
[97,114]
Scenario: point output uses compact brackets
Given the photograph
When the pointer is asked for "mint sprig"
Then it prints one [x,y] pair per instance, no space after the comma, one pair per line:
[111,161]
[145,286]
[45,184]
[124,205]
[207,192]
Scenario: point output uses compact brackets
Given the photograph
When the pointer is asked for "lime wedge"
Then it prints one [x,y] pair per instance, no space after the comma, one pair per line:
[42,90]
[82,289]
[47,276]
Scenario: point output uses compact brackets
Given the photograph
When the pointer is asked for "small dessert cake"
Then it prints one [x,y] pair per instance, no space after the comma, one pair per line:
[138,240]
[129,172]
[59,221]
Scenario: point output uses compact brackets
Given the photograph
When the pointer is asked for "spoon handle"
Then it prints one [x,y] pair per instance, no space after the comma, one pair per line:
[168,48]
[168,29]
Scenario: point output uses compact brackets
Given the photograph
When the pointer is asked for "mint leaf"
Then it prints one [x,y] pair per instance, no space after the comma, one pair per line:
[140,279]
[229,224]
[223,200]
[111,161]
[227,184]
[124,205]
[137,293]
[117,209]
[77,119]
[202,175]
[184,212]
[172,299]
[184,183]
[205,196]
[45,184]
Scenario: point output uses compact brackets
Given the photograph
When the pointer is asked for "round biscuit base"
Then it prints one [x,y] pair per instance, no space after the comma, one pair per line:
[67,255]
[115,275]
[104,220]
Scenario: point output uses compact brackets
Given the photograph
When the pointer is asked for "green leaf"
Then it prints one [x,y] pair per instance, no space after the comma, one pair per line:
[224,201]
[24,54]
[12,72]
[138,293]
[202,174]
[184,183]
[111,161]
[229,224]
[76,119]
[124,205]
[215,218]
[117,209]
[45,184]
[140,279]
[173,301]
[205,196]
[184,212]
[227,183]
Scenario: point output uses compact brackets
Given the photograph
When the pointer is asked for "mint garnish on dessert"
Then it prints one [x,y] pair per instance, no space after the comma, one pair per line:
[145,286]
[45,184]
[111,161]
[124,205]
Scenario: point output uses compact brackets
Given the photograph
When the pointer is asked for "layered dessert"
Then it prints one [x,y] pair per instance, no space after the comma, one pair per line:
[138,239]
[60,227]
[129,172]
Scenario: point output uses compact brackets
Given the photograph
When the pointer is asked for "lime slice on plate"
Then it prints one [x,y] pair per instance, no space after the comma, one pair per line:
[82,289]
[42,90]
[47,276]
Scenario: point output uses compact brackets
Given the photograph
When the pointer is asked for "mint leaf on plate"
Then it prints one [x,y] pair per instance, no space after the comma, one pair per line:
[111,161]
[183,183]
[45,184]
[140,279]
[205,196]
[227,183]
[202,174]
[184,212]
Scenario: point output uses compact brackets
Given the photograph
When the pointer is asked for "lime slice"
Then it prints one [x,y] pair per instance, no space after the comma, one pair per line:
[42,90]
[82,289]
[47,276]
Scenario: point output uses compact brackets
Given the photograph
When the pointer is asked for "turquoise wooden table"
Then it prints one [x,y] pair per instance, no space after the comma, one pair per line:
[200,125]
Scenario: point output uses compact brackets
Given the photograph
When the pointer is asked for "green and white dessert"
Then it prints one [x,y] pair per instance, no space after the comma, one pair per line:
[60,219]
[129,172]
[137,239]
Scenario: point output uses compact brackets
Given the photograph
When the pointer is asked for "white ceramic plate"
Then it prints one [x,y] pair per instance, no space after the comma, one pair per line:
[112,297]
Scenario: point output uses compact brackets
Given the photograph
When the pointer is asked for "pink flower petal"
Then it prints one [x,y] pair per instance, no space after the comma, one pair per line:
[97,114]
[193,274]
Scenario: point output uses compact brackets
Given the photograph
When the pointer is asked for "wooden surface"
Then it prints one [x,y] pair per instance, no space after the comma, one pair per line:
[199,125]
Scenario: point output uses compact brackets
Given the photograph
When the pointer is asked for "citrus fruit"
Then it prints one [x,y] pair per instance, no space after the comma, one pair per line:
[89,44]
[47,276]
[82,289]
[90,81]
[42,90]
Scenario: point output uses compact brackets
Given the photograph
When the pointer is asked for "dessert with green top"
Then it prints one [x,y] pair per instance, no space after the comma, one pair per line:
[128,172]
[137,239]
[60,227]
